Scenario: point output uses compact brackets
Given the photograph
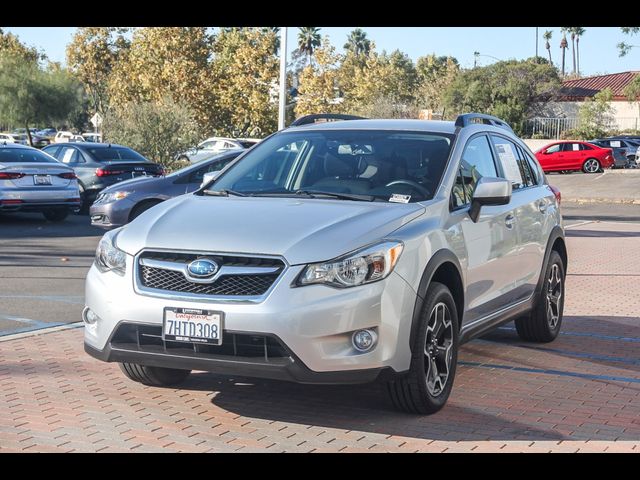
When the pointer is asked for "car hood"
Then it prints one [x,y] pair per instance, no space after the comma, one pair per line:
[301,230]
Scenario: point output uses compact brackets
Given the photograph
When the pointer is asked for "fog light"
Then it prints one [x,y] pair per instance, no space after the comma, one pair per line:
[364,340]
[89,317]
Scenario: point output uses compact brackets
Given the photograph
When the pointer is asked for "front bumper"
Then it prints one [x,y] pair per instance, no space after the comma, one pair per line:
[112,214]
[314,323]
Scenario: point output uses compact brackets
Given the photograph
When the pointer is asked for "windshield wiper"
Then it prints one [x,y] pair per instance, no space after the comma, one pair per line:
[341,196]
[224,193]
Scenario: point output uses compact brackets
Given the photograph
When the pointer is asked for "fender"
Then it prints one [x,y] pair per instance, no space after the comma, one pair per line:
[437,259]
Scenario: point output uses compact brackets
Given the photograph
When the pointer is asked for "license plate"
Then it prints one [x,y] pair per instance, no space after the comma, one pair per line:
[192,325]
[138,174]
[42,179]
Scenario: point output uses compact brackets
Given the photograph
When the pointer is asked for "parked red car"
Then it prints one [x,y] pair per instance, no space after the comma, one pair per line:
[572,155]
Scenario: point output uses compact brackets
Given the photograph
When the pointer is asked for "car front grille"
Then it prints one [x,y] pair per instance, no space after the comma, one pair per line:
[248,283]
[242,346]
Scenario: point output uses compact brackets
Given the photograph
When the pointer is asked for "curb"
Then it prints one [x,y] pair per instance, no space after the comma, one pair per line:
[40,331]
[626,201]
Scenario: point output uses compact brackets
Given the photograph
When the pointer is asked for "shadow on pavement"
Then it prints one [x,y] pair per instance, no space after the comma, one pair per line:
[28,225]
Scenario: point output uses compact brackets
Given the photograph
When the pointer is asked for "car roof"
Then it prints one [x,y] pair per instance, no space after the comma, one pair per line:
[381,124]
[16,145]
[93,145]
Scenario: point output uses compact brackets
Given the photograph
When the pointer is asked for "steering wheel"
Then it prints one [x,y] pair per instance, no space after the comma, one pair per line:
[412,184]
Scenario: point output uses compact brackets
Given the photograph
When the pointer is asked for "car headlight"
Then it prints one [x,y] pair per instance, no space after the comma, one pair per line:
[366,265]
[109,197]
[109,257]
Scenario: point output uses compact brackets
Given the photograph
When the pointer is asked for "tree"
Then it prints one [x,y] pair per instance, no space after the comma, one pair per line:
[632,92]
[308,40]
[92,56]
[10,45]
[511,90]
[623,47]
[435,74]
[579,31]
[159,130]
[318,92]
[547,37]
[572,31]
[357,42]
[245,75]
[30,94]
[595,116]
[563,46]
[163,61]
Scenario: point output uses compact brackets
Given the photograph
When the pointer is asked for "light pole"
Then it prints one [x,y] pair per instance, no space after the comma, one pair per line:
[536,44]
[282,103]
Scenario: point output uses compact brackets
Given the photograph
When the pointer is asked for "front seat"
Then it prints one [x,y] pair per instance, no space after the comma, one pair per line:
[341,176]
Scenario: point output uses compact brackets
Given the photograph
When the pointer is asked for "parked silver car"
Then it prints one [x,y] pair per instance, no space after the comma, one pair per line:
[338,252]
[32,181]
[214,145]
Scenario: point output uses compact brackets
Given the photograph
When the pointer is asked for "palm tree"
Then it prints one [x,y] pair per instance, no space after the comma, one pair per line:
[358,43]
[276,43]
[547,36]
[572,30]
[579,31]
[563,45]
[308,41]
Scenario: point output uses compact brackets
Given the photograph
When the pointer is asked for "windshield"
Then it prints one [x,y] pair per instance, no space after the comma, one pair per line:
[115,154]
[24,155]
[210,164]
[381,164]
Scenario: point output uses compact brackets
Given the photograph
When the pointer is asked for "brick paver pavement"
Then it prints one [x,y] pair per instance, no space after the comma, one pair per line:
[580,393]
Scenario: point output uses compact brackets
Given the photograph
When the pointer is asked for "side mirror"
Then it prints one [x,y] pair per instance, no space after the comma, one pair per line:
[209,177]
[489,191]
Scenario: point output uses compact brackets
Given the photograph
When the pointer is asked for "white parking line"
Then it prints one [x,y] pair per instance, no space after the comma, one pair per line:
[604,172]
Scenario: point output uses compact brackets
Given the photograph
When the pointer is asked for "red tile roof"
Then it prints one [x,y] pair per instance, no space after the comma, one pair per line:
[588,86]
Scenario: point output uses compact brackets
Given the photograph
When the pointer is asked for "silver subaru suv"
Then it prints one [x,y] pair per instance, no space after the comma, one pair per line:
[337,252]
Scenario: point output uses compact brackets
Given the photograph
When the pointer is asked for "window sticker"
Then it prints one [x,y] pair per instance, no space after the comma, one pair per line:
[397,198]
[575,146]
[509,162]
[68,153]
[615,143]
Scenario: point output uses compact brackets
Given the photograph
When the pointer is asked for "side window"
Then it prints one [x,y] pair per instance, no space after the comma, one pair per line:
[198,175]
[477,162]
[584,146]
[527,168]
[68,155]
[53,151]
[554,148]
[513,162]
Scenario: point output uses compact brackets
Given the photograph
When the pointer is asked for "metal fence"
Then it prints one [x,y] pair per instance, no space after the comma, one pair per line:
[553,128]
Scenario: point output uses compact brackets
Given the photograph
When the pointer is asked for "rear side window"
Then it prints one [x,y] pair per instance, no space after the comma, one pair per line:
[115,154]
[477,162]
[513,162]
[584,146]
[198,175]
[24,155]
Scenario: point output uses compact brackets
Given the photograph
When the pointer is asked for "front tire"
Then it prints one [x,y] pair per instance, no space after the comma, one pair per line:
[426,388]
[543,323]
[154,376]
[140,209]
[56,215]
[591,165]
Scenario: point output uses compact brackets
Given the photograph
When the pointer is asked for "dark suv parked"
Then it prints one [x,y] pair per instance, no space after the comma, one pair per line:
[99,165]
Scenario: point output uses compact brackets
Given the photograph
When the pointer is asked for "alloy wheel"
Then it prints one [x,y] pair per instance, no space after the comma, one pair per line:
[591,166]
[437,350]
[554,295]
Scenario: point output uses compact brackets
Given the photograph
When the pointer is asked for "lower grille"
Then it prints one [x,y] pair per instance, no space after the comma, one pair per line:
[148,338]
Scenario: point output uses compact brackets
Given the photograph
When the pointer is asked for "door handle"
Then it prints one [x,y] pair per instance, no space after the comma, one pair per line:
[542,206]
[509,220]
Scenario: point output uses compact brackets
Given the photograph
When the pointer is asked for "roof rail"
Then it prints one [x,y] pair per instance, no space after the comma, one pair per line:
[327,117]
[467,119]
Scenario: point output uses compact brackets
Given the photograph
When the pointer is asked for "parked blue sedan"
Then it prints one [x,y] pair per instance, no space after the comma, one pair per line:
[119,204]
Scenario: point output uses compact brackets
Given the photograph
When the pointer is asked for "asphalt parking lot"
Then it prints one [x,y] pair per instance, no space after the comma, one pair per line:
[579,393]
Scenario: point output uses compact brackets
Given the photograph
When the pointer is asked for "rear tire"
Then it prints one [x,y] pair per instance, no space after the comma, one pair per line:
[154,376]
[56,215]
[542,325]
[84,207]
[426,388]
[591,165]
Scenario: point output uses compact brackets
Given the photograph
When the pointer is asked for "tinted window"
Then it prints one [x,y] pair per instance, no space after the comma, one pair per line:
[68,155]
[570,147]
[246,143]
[553,148]
[24,155]
[380,163]
[198,175]
[477,162]
[53,150]
[584,146]
[114,154]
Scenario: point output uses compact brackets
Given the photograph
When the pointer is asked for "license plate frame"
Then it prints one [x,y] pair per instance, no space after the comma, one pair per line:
[42,179]
[185,325]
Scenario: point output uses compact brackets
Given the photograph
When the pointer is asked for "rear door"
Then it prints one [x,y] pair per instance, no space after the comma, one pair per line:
[573,156]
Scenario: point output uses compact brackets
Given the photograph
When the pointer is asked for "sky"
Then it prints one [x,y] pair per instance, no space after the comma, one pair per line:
[598,52]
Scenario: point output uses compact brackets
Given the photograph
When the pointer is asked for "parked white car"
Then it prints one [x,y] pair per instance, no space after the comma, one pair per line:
[66,137]
[215,145]
[92,137]
[7,138]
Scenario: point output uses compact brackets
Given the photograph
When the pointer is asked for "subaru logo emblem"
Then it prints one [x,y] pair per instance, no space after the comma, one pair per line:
[202,268]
